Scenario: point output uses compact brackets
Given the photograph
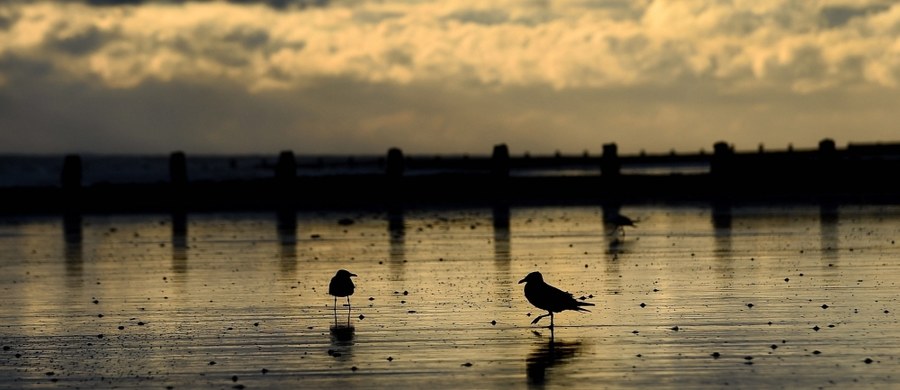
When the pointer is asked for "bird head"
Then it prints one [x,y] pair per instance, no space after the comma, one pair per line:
[532,277]
[344,273]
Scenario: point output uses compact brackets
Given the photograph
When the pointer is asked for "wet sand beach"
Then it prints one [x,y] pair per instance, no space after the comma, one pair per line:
[775,296]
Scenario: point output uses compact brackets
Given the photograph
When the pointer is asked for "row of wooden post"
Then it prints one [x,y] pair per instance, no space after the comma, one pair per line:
[286,167]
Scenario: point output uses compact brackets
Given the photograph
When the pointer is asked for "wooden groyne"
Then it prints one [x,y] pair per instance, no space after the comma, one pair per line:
[864,173]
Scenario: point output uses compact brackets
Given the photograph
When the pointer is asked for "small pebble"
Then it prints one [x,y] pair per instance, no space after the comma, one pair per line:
[265,371]
[715,355]
[493,322]
[868,361]
[361,316]
[467,364]
[234,378]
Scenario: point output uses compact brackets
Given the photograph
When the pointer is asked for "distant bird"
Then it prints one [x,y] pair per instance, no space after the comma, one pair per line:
[341,286]
[549,298]
[618,222]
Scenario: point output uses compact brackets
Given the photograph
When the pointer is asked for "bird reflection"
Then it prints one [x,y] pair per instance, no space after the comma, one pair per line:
[616,247]
[342,341]
[545,356]
[342,336]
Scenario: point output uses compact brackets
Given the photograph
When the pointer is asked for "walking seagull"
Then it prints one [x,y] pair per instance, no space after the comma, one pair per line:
[618,222]
[549,298]
[341,286]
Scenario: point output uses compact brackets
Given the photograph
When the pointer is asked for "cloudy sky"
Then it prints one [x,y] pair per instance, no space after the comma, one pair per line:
[450,76]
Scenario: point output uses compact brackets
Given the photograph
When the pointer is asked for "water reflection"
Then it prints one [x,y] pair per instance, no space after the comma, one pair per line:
[287,239]
[547,355]
[502,250]
[615,241]
[179,242]
[74,252]
[721,223]
[397,234]
[342,340]
[828,226]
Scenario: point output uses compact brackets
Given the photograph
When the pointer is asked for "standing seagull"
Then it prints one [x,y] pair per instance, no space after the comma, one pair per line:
[342,286]
[549,298]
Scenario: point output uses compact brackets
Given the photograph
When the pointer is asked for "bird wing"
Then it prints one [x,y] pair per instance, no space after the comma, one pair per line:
[550,298]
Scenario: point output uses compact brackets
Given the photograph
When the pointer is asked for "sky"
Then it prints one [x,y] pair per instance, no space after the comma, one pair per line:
[445,77]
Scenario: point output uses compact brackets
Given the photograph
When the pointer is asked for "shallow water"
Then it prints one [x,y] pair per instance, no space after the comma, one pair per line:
[784,297]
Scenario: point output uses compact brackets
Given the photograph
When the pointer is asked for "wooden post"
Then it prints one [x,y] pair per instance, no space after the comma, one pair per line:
[722,159]
[394,163]
[500,161]
[610,165]
[286,169]
[826,146]
[178,169]
[827,169]
[71,172]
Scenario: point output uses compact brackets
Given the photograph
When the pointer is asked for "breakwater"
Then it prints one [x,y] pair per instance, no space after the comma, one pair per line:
[863,173]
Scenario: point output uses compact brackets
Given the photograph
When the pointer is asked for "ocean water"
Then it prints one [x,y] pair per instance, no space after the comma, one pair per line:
[793,297]
[45,171]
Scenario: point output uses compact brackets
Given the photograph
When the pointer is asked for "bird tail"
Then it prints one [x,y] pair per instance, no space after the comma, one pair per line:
[579,304]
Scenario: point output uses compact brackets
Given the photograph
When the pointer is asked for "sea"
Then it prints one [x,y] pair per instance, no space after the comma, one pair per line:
[45,170]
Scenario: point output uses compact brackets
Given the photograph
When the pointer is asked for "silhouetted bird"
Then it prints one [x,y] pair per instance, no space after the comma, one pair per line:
[341,286]
[549,298]
[618,222]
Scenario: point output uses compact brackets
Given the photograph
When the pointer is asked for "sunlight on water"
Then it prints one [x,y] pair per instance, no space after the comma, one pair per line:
[693,297]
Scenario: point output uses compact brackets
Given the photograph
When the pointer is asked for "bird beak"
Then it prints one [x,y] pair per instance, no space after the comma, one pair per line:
[522,281]
[352,274]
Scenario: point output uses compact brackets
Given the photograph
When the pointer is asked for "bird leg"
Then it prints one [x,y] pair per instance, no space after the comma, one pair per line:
[538,318]
[551,322]
[334,307]
[348,310]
